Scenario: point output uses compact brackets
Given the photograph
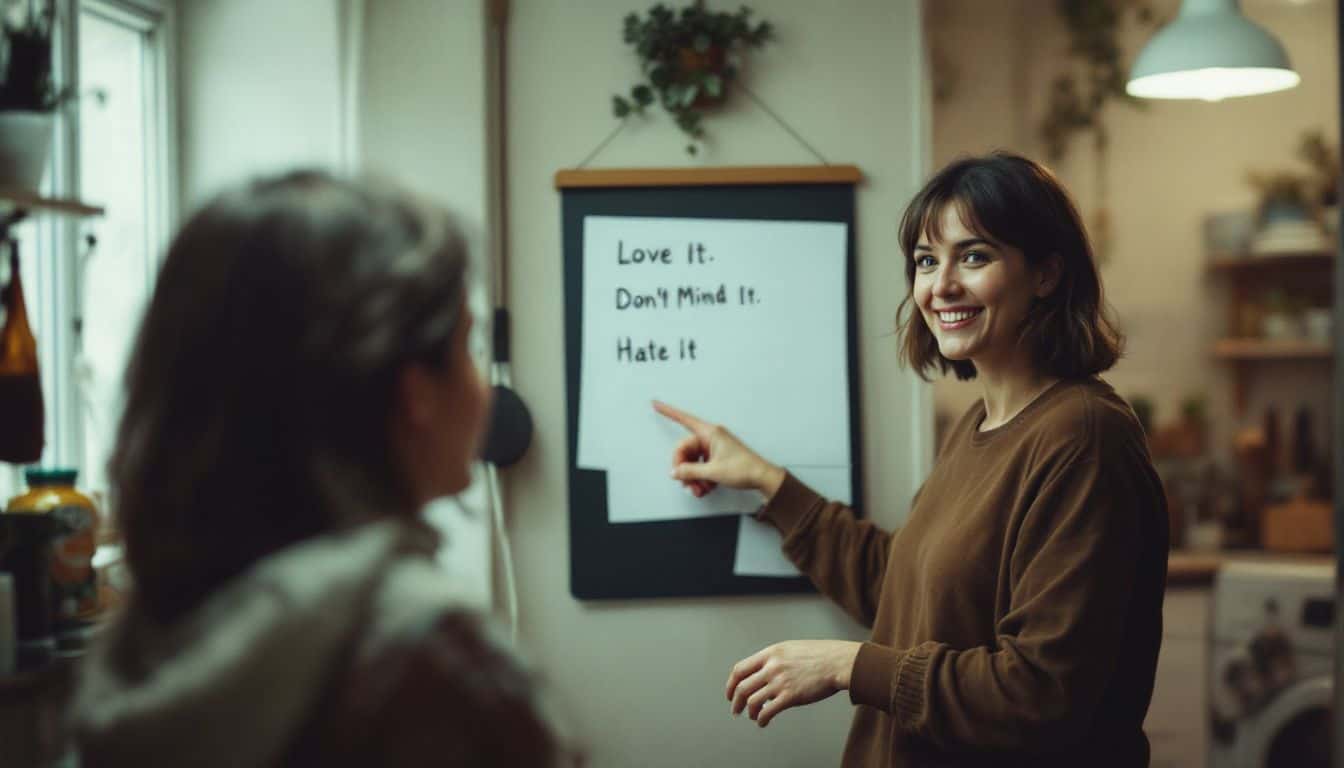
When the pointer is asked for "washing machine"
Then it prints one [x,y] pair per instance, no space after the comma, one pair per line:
[1271,663]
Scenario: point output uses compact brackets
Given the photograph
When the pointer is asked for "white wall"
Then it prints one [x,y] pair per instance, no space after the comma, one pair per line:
[422,100]
[1170,164]
[260,90]
[643,680]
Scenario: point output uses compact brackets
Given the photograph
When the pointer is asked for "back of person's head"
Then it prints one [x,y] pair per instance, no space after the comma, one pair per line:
[265,376]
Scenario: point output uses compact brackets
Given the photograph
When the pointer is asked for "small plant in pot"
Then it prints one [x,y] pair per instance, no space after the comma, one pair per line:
[1323,158]
[1288,215]
[1284,196]
[688,58]
[28,95]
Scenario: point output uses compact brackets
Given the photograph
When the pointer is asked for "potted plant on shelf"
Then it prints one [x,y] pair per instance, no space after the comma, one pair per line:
[1324,161]
[1286,217]
[28,95]
[688,58]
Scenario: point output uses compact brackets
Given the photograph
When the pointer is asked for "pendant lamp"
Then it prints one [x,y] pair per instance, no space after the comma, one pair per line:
[1210,52]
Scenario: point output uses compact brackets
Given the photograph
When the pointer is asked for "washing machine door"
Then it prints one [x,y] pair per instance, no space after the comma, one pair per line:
[1293,730]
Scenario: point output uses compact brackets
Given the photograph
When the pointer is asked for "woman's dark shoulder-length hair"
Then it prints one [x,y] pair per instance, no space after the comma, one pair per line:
[262,381]
[1009,199]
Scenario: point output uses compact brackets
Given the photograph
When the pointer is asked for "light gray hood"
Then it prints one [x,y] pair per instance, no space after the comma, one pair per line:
[232,682]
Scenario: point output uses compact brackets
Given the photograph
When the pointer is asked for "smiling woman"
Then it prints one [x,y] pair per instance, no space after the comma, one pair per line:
[1017,615]
[1006,236]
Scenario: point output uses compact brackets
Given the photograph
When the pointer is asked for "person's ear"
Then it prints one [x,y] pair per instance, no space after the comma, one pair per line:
[1047,277]
[415,393]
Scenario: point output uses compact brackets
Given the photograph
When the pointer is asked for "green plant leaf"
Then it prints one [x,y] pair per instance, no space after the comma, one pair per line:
[713,85]
[701,43]
[689,94]
[619,106]
[642,94]
[691,149]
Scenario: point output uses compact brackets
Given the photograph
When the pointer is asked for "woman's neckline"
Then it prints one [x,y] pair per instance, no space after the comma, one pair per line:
[979,436]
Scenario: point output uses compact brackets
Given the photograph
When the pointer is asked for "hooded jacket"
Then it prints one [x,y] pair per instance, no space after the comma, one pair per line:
[351,648]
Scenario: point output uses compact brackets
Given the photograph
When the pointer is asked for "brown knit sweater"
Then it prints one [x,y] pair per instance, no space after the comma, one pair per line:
[1017,615]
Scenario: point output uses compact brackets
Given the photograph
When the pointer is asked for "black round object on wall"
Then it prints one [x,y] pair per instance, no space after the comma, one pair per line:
[510,431]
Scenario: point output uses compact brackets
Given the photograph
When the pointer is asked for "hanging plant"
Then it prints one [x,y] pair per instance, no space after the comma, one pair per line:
[1077,98]
[688,59]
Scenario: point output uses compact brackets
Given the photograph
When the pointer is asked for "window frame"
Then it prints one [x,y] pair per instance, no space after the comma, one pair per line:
[156,21]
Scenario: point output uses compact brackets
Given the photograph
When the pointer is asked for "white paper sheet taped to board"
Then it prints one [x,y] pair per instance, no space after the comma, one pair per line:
[758,551]
[742,322]
[637,493]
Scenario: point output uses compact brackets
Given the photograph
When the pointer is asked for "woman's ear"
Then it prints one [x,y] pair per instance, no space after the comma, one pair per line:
[1047,277]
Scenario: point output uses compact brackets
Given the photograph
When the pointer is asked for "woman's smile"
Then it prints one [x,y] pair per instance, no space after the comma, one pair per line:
[956,318]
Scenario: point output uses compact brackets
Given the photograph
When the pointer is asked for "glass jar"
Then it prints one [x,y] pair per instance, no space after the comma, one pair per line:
[73,583]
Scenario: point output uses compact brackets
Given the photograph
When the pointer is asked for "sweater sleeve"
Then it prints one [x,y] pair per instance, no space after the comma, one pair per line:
[846,558]
[1072,573]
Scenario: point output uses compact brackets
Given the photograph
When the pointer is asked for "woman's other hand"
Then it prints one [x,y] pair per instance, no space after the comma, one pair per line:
[711,455]
[790,674]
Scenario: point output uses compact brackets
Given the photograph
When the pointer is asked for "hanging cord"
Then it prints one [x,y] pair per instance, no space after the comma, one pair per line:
[756,99]
[619,127]
[782,123]
[505,549]
[500,369]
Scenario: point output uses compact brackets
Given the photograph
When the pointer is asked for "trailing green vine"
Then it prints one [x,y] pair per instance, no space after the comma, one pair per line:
[1078,98]
[688,58]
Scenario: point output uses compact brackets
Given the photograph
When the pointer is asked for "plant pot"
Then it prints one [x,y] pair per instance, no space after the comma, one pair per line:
[25,145]
[1280,326]
[691,65]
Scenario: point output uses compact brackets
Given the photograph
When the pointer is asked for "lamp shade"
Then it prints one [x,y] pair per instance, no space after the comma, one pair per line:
[1210,52]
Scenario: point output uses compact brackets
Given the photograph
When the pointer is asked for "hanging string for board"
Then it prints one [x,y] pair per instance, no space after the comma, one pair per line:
[619,127]
[758,101]
[782,122]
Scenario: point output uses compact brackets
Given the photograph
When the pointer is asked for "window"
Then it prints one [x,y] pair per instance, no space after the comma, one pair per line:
[86,281]
[121,167]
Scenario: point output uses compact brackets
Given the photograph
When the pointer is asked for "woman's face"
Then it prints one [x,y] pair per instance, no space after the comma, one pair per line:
[447,410]
[466,423]
[973,294]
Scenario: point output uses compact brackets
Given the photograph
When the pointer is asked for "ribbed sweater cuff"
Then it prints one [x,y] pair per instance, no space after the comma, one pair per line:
[790,504]
[907,697]
[890,680]
[874,675]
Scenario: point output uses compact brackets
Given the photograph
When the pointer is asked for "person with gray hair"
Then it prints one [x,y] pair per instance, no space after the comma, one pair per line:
[300,387]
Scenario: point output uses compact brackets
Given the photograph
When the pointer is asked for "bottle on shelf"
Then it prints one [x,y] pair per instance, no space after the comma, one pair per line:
[21,413]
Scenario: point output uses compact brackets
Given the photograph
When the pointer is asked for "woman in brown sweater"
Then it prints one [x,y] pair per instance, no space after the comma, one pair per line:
[1016,616]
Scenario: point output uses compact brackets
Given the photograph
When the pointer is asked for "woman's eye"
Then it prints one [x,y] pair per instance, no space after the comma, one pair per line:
[924,262]
[976,257]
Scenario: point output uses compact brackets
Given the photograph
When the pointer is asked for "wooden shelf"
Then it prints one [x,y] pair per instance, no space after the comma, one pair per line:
[19,199]
[1241,263]
[1266,349]
[708,176]
[1250,278]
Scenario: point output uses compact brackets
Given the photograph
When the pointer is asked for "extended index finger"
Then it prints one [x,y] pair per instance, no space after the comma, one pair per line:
[695,425]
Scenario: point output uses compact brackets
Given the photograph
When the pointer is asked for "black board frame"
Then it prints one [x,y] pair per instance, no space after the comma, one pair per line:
[682,558]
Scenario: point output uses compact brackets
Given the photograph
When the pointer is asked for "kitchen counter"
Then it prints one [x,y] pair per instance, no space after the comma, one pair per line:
[1191,568]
